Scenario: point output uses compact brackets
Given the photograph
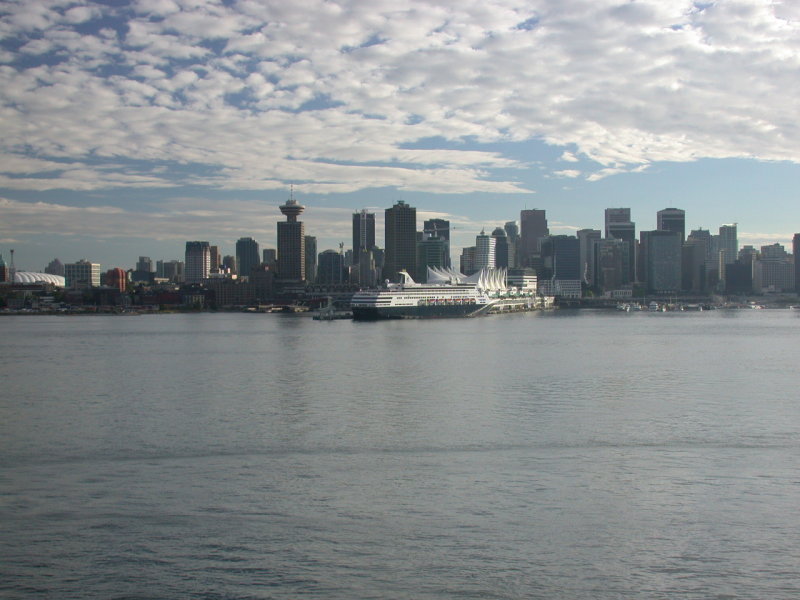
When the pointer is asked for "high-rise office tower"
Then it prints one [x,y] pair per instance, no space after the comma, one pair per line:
[310,243]
[363,233]
[533,228]
[561,254]
[467,260]
[291,242]
[615,216]
[484,251]
[661,255]
[728,244]
[215,258]
[401,241]
[229,264]
[269,256]
[198,261]
[431,252]
[331,268]
[439,228]
[5,276]
[512,233]
[144,264]
[587,240]
[672,219]
[501,248]
[796,252]
[610,268]
[55,267]
[82,275]
[173,270]
[247,255]
[694,255]
[619,226]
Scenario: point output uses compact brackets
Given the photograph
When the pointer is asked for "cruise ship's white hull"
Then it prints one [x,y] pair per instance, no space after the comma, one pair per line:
[374,313]
[410,300]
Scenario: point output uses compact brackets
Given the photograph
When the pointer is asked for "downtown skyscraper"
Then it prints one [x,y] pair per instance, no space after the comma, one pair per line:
[363,233]
[247,256]
[291,243]
[401,240]
[533,228]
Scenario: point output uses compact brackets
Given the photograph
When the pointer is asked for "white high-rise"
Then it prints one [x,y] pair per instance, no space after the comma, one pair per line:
[484,251]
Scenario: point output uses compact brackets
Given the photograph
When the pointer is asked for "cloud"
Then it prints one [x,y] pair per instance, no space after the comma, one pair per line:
[338,95]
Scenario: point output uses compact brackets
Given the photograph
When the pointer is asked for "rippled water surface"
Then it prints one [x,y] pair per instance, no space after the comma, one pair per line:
[562,455]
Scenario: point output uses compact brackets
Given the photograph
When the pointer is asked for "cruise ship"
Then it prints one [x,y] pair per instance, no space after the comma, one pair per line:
[447,294]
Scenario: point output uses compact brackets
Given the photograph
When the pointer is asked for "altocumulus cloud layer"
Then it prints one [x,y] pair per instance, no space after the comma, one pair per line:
[342,96]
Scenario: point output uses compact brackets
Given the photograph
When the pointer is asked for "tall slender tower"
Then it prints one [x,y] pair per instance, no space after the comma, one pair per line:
[291,242]
[363,233]
[484,250]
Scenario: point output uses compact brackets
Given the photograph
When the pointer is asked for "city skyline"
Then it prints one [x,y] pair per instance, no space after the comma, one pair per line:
[455,251]
[470,113]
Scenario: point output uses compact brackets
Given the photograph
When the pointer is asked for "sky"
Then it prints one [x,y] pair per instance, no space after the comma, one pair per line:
[128,128]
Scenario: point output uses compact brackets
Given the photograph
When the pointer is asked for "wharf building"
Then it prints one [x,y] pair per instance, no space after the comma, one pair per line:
[82,275]
[401,241]
[291,243]
[247,256]
[198,262]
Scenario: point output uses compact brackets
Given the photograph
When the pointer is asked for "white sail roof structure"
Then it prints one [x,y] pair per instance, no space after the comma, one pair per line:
[487,279]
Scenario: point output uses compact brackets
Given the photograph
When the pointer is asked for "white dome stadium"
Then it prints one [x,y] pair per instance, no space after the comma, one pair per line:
[27,278]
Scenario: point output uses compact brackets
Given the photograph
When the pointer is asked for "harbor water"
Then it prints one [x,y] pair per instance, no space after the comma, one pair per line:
[565,454]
